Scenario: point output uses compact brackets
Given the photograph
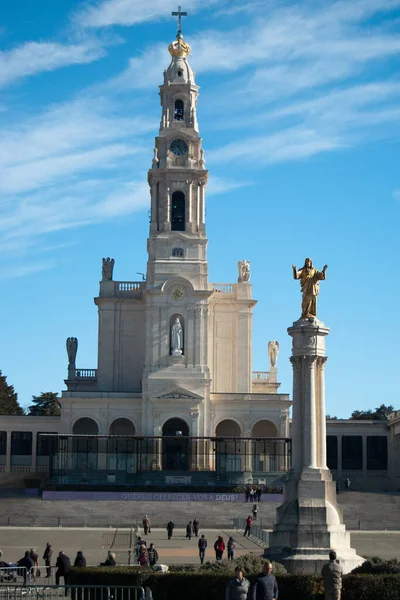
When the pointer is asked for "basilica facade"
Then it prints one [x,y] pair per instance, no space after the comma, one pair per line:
[173,398]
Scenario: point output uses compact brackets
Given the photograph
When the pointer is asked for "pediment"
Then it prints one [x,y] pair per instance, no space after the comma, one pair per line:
[180,394]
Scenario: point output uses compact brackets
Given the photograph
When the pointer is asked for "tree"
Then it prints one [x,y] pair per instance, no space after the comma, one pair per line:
[331,418]
[381,413]
[45,405]
[8,398]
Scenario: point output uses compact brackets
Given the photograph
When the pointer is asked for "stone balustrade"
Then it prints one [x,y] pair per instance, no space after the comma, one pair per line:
[223,288]
[128,286]
[260,375]
[86,373]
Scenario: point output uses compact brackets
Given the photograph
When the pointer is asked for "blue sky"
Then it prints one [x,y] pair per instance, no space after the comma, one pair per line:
[300,118]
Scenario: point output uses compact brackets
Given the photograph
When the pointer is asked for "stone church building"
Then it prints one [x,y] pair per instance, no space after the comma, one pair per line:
[174,397]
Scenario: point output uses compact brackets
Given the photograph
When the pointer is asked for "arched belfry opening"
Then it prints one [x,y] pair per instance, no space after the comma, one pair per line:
[175,445]
[178,211]
[179,110]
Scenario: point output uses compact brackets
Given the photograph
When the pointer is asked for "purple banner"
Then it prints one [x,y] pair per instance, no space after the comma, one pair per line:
[156,496]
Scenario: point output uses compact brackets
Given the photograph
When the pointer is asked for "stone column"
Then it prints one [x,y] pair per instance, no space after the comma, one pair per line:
[8,452]
[194,434]
[34,451]
[364,459]
[153,206]
[167,224]
[309,523]
[189,216]
[339,457]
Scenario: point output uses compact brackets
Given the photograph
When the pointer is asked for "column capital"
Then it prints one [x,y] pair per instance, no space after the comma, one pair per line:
[321,361]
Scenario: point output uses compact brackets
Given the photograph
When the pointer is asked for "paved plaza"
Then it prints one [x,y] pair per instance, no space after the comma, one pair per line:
[178,550]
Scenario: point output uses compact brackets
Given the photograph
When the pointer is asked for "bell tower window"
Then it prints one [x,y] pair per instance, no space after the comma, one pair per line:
[178,211]
[177,252]
[179,110]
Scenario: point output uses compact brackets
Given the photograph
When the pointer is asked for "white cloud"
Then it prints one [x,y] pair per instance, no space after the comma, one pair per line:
[34,57]
[289,144]
[131,12]
[396,194]
[219,185]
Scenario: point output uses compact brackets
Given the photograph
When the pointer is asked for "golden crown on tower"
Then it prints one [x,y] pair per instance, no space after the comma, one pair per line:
[179,48]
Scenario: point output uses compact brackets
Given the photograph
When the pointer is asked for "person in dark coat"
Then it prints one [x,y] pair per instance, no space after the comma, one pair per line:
[152,555]
[189,530]
[196,527]
[110,561]
[80,560]
[249,523]
[47,554]
[170,529]
[63,565]
[259,492]
[265,586]
[27,564]
[202,548]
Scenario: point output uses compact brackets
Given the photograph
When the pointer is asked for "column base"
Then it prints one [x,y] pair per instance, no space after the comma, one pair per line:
[309,525]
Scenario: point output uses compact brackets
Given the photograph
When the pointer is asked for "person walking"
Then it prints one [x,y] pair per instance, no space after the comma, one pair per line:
[152,555]
[189,530]
[196,525]
[265,586]
[247,494]
[219,547]
[254,510]
[63,565]
[80,560]
[249,523]
[251,494]
[332,574]
[143,560]
[26,563]
[170,529]
[231,547]
[347,484]
[47,554]
[238,587]
[259,492]
[146,525]
[202,548]
[35,559]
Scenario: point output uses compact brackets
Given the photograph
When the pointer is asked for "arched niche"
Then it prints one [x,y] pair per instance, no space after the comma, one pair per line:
[264,428]
[122,426]
[85,448]
[179,110]
[269,455]
[175,445]
[227,428]
[85,426]
[178,211]
[171,323]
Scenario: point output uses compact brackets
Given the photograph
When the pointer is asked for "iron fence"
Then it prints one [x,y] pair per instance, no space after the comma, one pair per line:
[81,592]
[257,532]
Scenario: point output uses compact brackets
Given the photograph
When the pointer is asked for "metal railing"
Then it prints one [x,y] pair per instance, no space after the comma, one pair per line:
[257,533]
[76,592]
[42,576]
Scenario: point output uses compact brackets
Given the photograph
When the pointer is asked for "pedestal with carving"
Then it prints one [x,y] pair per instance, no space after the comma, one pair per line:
[309,522]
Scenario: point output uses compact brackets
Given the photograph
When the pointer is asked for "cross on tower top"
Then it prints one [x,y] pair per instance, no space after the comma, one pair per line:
[179,13]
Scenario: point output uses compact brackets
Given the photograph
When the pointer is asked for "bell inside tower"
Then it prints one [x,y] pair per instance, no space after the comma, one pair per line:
[178,211]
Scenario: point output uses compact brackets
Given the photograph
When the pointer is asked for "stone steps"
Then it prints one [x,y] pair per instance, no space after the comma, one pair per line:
[375,511]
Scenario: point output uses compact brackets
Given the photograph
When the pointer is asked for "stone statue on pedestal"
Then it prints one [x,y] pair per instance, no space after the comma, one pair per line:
[309,281]
[244,271]
[155,162]
[107,269]
[273,353]
[176,338]
[72,348]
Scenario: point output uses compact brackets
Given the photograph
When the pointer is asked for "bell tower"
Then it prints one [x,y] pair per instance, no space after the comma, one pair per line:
[178,179]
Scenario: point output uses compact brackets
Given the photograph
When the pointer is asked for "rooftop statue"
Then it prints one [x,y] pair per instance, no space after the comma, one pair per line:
[309,281]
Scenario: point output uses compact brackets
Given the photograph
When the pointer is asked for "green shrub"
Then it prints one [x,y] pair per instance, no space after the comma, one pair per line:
[378,566]
[252,564]
[371,587]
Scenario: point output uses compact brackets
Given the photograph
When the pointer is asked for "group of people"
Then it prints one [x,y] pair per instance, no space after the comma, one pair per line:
[30,565]
[253,494]
[145,556]
[192,528]
[265,586]
[347,485]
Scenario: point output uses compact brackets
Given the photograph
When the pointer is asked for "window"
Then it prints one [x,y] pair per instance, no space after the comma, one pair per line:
[45,443]
[377,454]
[21,443]
[352,452]
[179,110]
[178,211]
[3,442]
[177,252]
[331,452]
